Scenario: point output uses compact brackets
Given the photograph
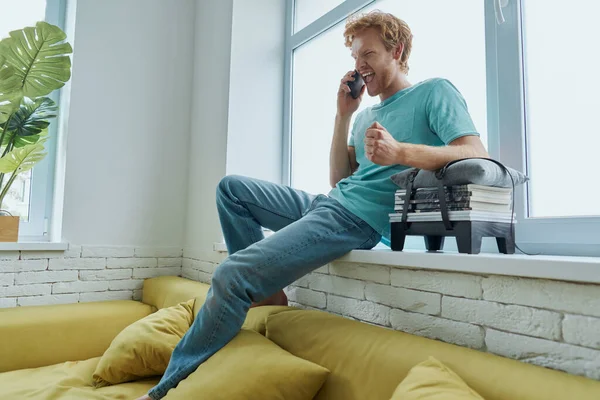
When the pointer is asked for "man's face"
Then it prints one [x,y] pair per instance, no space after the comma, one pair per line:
[376,65]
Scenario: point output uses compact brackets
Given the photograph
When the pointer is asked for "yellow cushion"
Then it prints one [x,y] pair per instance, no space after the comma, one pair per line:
[66,381]
[256,319]
[168,291]
[251,367]
[144,348]
[368,362]
[45,335]
[432,380]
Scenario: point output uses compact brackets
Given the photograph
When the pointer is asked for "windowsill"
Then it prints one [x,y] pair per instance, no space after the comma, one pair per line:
[34,246]
[575,269]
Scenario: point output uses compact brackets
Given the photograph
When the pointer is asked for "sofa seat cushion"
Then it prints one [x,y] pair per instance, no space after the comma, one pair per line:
[167,291]
[251,367]
[32,337]
[368,362]
[66,381]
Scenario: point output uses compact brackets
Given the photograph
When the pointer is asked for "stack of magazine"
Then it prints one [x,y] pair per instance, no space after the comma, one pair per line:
[464,203]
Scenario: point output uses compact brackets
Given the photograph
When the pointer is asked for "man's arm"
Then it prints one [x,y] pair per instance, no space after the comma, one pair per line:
[340,164]
[433,157]
[382,149]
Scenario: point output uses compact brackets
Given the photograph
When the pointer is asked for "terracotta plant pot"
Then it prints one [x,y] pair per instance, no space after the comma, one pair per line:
[9,227]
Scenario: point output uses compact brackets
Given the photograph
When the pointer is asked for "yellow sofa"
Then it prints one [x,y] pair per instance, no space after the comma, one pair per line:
[50,352]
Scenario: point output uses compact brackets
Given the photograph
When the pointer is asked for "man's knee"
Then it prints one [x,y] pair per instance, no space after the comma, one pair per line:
[226,277]
[229,184]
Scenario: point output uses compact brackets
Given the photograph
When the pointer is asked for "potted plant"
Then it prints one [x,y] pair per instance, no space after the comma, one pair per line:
[34,62]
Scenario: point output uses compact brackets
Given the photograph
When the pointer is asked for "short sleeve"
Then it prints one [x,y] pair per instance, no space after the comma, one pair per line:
[353,130]
[447,112]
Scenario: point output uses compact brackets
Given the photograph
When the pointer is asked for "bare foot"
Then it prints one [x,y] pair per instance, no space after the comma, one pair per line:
[145,397]
[278,299]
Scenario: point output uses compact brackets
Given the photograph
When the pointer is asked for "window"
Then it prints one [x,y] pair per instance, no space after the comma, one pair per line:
[509,61]
[307,11]
[320,63]
[560,120]
[30,195]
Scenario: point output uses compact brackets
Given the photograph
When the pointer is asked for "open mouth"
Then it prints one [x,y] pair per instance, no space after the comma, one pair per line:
[368,77]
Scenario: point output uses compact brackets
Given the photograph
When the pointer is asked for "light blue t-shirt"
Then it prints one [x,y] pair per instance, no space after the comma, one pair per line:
[432,113]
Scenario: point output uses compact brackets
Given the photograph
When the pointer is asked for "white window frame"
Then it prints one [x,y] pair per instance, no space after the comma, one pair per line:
[42,175]
[577,236]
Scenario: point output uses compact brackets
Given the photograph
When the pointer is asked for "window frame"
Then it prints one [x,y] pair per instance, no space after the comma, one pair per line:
[43,174]
[506,120]
[570,236]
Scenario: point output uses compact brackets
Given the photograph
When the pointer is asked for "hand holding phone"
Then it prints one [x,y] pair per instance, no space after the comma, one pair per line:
[356,85]
[349,92]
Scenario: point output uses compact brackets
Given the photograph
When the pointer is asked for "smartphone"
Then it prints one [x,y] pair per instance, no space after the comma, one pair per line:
[356,85]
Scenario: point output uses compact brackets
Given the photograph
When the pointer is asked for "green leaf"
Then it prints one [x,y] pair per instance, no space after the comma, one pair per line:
[40,58]
[22,159]
[21,141]
[32,117]
[10,94]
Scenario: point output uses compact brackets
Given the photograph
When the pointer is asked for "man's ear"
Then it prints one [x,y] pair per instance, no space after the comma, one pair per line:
[397,51]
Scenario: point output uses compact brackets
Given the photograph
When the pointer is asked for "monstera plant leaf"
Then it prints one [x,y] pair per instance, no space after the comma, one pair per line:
[20,141]
[32,118]
[10,93]
[40,58]
[22,159]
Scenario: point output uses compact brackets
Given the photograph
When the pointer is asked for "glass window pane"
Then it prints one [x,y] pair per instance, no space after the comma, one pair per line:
[17,14]
[561,75]
[308,11]
[461,59]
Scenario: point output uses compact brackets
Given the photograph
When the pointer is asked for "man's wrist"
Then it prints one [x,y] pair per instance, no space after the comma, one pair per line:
[343,118]
[401,153]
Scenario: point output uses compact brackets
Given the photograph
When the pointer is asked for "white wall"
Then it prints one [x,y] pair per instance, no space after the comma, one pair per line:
[129,123]
[254,141]
[145,154]
[208,142]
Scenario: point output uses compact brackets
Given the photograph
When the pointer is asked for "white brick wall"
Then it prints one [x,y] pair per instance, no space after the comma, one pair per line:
[359,309]
[511,318]
[453,284]
[144,273]
[85,273]
[405,299]
[549,323]
[159,252]
[48,300]
[7,279]
[131,263]
[551,295]
[102,251]
[105,274]
[22,266]
[337,285]
[438,328]
[79,287]
[77,263]
[105,296]
[10,255]
[127,284]
[8,302]
[372,273]
[584,331]
[562,356]
[308,297]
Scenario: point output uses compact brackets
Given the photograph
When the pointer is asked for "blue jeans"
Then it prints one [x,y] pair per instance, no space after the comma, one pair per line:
[311,231]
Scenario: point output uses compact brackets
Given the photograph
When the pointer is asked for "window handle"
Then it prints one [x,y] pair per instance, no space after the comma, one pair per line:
[498,6]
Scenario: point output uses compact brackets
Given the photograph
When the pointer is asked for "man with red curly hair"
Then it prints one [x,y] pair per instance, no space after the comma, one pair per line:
[425,125]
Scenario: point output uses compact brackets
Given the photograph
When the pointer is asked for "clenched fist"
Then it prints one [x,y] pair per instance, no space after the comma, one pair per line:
[380,147]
